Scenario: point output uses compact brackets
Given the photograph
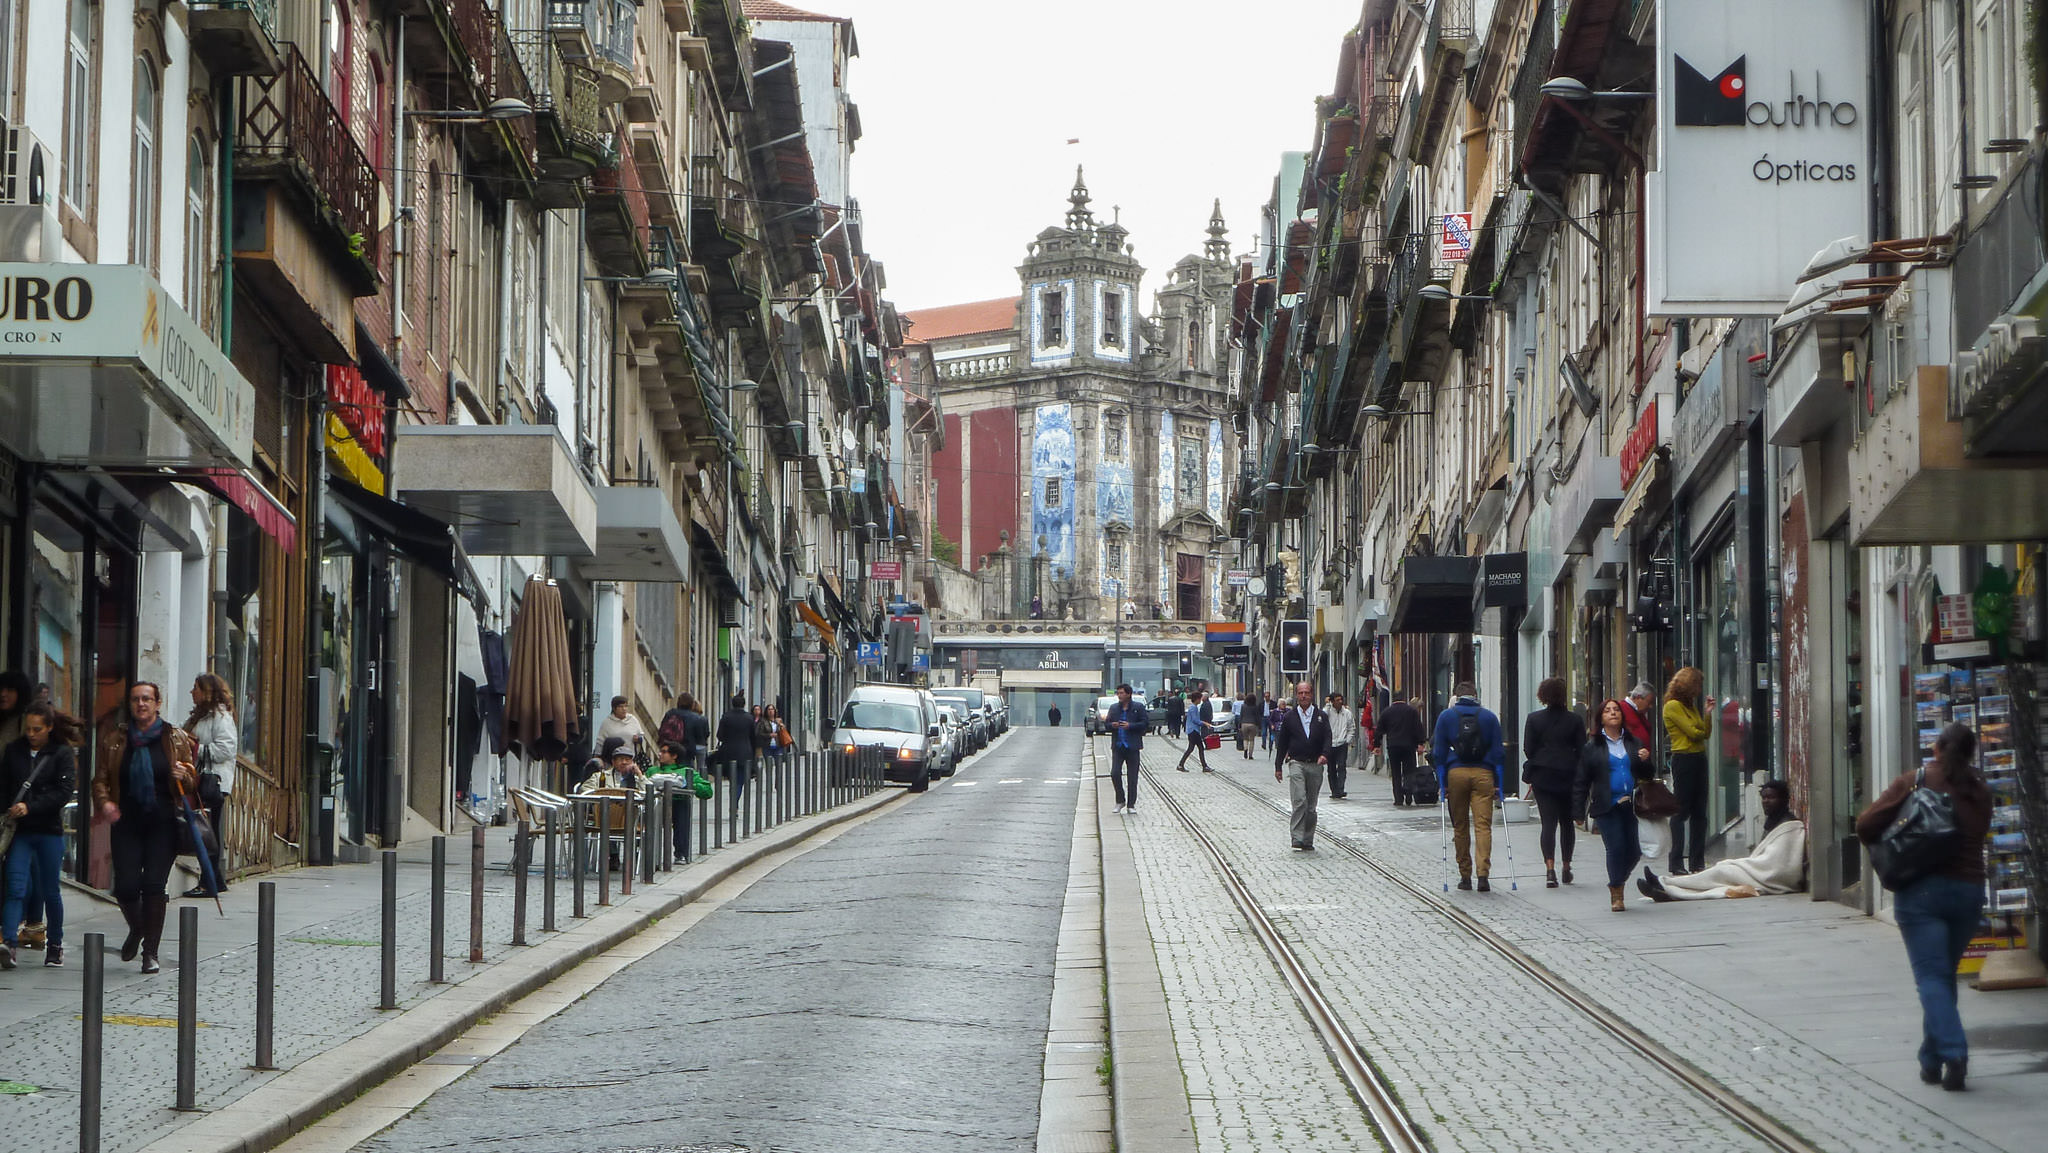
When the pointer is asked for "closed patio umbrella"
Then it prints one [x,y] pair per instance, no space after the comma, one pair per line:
[540,702]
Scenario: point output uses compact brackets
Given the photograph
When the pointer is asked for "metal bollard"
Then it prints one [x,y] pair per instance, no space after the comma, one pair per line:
[650,812]
[437,916]
[476,895]
[188,1008]
[576,851]
[604,851]
[629,812]
[522,851]
[704,823]
[387,945]
[90,1019]
[547,899]
[266,970]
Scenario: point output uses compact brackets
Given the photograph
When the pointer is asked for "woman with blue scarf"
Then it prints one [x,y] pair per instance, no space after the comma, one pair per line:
[143,766]
[1605,791]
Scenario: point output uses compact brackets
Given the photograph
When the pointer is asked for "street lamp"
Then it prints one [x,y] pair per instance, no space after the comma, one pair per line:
[660,276]
[1576,91]
[1377,412]
[503,108]
[1440,292]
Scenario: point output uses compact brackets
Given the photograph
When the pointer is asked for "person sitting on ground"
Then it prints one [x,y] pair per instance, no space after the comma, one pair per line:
[1776,865]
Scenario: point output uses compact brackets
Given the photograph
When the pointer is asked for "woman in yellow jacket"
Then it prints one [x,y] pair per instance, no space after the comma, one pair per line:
[1685,722]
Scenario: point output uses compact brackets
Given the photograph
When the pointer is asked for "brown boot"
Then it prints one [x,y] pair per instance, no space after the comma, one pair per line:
[1615,900]
[153,907]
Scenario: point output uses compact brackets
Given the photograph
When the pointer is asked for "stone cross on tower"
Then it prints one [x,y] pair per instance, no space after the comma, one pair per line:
[1079,218]
[1216,248]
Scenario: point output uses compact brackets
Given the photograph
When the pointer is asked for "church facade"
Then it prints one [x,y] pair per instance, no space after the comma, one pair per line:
[1088,460]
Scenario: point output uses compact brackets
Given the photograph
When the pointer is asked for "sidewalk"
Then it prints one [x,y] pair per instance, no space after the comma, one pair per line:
[328,925]
[1805,1007]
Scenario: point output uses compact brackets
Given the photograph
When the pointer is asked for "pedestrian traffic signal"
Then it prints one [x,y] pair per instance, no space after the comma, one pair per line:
[1294,647]
[1187,664]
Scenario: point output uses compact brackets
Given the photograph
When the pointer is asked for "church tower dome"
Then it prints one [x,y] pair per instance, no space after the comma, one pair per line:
[1080,289]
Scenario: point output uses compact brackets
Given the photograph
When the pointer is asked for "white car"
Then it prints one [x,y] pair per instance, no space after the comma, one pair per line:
[901,720]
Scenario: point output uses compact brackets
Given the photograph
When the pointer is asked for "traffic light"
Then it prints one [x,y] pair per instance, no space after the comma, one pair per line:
[1187,664]
[1294,647]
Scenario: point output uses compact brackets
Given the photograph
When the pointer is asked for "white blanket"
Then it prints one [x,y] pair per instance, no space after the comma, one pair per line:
[1776,866]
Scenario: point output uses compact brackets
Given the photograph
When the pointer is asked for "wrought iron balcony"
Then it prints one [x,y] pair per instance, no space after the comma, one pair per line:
[570,127]
[474,25]
[291,130]
[615,217]
[236,37]
[598,34]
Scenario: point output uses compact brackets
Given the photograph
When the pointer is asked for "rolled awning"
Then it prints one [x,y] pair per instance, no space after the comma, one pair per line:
[238,488]
[354,513]
[817,621]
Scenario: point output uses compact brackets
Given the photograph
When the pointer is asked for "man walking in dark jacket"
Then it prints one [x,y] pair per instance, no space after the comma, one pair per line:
[1401,733]
[1469,756]
[1301,753]
[736,743]
[1126,722]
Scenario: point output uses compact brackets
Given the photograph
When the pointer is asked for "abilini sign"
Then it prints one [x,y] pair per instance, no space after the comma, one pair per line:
[1763,149]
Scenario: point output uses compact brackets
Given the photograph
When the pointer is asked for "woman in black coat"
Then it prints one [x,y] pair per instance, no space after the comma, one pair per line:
[1551,740]
[37,776]
[1609,767]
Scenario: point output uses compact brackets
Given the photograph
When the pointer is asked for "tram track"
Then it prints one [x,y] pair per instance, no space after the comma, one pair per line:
[1380,1103]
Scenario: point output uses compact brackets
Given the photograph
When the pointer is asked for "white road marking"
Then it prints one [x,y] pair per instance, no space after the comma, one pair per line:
[964,784]
[1011,781]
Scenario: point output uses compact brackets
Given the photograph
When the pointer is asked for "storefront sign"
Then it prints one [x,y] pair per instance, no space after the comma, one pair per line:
[2008,352]
[1642,441]
[1504,580]
[1708,414]
[111,319]
[811,658]
[1764,149]
[1238,577]
[885,570]
[359,407]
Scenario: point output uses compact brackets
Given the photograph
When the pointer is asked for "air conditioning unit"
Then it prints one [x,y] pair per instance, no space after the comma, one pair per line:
[29,232]
[800,587]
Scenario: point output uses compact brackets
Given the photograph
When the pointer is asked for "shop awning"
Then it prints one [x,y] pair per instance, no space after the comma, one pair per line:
[1433,594]
[639,538]
[1637,499]
[508,490]
[99,366]
[816,620]
[240,489]
[360,517]
[713,558]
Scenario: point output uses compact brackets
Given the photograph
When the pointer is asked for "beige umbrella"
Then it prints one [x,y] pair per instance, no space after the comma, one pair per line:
[540,702]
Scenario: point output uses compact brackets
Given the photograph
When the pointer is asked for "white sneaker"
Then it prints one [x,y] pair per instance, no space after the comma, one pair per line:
[1119,810]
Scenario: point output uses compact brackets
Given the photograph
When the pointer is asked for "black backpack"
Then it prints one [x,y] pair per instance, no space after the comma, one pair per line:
[1469,746]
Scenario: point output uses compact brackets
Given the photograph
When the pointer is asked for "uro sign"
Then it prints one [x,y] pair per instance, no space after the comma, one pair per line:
[1763,158]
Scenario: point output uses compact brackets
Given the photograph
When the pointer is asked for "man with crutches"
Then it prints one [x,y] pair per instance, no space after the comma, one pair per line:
[1469,756]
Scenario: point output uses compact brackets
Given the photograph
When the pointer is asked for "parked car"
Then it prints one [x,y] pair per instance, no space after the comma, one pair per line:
[902,720]
[1002,706]
[973,708]
[952,739]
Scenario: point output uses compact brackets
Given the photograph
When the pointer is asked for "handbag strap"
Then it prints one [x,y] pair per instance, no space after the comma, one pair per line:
[36,770]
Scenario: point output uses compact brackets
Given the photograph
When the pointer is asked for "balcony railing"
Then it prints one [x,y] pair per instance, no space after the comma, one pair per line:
[265,11]
[475,24]
[289,123]
[564,94]
[608,26]
[616,216]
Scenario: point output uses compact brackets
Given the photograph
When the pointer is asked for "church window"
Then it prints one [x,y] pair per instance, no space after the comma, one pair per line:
[1052,305]
[1115,556]
[1113,318]
[1190,468]
[1113,436]
[1052,492]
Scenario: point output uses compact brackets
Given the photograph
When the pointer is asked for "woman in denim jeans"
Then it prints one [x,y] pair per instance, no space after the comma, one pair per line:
[1939,913]
[39,769]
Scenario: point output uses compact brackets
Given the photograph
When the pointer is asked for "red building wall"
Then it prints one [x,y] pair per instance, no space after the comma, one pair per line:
[946,473]
[993,480]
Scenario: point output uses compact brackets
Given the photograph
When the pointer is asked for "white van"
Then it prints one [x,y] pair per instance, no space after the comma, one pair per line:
[898,718]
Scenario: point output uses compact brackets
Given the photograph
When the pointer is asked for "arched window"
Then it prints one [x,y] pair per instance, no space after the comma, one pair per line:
[199,255]
[142,198]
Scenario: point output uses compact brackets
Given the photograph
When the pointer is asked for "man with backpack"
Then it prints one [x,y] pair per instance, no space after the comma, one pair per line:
[1469,757]
[686,728]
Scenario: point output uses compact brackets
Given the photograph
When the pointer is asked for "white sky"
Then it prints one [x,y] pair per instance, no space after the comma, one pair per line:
[967,105]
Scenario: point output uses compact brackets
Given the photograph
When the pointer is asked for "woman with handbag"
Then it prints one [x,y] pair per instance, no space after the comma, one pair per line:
[142,763]
[780,742]
[37,777]
[1552,738]
[1197,732]
[1604,792]
[1939,911]
[216,742]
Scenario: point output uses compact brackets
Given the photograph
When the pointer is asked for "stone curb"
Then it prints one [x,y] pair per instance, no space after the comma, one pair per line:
[279,1109]
[1148,1092]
